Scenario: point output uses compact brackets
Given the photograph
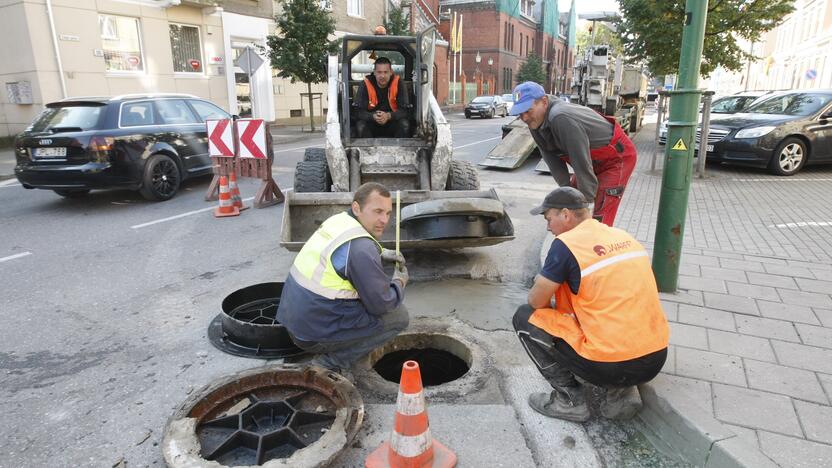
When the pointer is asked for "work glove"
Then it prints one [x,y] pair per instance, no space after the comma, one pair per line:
[401,275]
[392,256]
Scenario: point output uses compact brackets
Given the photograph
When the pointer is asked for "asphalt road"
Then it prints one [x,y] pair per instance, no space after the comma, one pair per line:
[106,299]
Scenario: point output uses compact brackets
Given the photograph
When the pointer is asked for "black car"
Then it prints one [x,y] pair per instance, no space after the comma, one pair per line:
[783,133]
[486,106]
[149,143]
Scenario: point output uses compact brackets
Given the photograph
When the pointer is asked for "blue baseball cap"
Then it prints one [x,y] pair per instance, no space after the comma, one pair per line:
[524,96]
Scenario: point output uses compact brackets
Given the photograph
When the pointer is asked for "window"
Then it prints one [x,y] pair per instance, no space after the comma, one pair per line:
[121,43]
[326,5]
[84,117]
[185,48]
[206,110]
[175,112]
[134,114]
[355,7]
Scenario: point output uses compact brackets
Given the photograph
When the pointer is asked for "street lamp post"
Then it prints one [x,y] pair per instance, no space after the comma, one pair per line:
[477,75]
[490,73]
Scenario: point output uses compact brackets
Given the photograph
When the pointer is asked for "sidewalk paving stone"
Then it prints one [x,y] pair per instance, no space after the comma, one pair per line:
[753,408]
[790,312]
[753,291]
[724,274]
[776,281]
[715,367]
[815,336]
[698,259]
[688,335]
[815,420]
[744,265]
[702,284]
[747,435]
[826,381]
[766,328]
[810,265]
[737,452]
[740,305]
[821,274]
[671,310]
[684,297]
[695,315]
[670,362]
[824,315]
[788,381]
[795,453]
[787,270]
[768,260]
[809,299]
[818,286]
[803,356]
[740,345]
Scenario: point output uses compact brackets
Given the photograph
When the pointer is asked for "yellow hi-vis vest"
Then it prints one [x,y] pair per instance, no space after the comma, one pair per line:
[616,315]
[313,268]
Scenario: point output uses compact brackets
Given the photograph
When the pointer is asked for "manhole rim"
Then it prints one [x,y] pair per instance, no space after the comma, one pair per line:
[474,379]
[181,446]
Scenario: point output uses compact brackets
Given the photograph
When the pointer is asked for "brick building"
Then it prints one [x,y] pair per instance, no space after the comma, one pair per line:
[503,33]
[422,15]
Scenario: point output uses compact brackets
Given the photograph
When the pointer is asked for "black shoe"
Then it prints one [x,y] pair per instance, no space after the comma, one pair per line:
[568,403]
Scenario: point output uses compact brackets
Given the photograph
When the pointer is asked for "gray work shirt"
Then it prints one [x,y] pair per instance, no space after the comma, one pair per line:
[572,130]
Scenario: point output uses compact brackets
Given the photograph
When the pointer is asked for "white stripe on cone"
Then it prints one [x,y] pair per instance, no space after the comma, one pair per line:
[411,446]
[410,404]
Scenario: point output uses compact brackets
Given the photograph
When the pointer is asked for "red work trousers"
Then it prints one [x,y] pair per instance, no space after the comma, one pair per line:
[612,165]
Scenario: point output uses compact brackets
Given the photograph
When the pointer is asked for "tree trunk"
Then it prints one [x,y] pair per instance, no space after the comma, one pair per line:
[311,109]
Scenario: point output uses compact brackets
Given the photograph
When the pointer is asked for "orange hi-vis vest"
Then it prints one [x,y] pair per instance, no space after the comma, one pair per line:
[616,315]
[392,92]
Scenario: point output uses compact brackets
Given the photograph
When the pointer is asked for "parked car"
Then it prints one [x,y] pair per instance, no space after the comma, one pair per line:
[509,100]
[486,106]
[149,143]
[725,105]
[782,133]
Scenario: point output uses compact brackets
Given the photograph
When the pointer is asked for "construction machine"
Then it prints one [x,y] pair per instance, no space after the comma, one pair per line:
[442,204]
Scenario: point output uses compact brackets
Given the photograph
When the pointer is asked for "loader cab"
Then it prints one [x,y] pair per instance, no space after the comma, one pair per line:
[357,61]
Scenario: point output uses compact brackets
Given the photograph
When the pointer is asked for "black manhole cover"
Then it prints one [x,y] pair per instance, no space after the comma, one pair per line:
[247,325]
[265,430]
[284,416]
[437,366]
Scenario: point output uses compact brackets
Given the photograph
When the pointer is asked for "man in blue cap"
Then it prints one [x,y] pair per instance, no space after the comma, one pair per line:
[600,153]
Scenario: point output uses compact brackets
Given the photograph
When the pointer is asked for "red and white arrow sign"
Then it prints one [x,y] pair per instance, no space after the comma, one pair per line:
[252,138]
[220,138]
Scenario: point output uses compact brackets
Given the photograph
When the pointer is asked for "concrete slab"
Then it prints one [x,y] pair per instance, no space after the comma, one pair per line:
[710,318]
[479,435]
[793,452]
[735,452]
[688,335]
[803,357]
[766,328]
[790,312]
[815,336]
[784,380]
[753,408]
[715,367]
[740,345]
[815,420]
[740,305]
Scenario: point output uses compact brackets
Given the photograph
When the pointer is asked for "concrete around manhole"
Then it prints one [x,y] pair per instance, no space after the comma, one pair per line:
[452,364]
[281,416]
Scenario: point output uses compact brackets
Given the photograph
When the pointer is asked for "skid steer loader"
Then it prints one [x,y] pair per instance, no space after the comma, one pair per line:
[442,204]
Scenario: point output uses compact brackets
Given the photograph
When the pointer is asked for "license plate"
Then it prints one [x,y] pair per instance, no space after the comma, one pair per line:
[50,152]
[709,148]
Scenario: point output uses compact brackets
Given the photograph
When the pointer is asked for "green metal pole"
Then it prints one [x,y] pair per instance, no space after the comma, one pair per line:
[678,165]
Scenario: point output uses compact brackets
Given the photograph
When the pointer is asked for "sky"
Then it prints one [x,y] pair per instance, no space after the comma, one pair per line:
[584,6]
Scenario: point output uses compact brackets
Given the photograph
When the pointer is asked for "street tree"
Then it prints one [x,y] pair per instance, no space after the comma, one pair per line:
[532,70]
[652,31]
[301,44]
[397,23]
[603,35]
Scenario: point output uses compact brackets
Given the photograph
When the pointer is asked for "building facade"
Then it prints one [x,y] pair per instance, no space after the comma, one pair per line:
[795,54]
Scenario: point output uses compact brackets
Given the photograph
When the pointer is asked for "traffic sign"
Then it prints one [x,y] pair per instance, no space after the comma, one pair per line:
[811,74]
[220,138]
[252,138]
[249,61]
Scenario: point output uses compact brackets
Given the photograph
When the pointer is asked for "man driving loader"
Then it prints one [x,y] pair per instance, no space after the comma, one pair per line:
[337,301]
[382,104]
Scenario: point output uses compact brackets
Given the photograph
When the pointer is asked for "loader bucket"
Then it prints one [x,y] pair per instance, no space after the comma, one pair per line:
[430,220]
[513,150]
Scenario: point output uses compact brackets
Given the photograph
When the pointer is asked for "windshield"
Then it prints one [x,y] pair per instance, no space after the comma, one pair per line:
[482,100]
[508,97]
[85,117]
[791,104]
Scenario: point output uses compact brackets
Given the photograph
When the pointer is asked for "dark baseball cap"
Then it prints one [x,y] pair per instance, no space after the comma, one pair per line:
[562,197]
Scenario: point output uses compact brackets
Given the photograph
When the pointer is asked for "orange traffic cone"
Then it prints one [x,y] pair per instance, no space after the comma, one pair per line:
[411,445]
[226,207]
[235,192]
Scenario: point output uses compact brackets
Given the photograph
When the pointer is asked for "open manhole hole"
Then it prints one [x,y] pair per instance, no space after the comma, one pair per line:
[437,366]
[287,416]
[247,325]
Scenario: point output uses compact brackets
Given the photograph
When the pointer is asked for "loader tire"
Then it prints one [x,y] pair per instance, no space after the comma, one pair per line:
[314,154]
[463,176]
[312,176]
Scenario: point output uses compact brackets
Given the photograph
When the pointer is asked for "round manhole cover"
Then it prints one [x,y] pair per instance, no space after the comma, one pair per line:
[286,416]
[247,325]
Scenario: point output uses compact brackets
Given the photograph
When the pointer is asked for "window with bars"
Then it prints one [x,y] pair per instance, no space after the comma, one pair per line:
[185,48]
[121,43]
[355,7]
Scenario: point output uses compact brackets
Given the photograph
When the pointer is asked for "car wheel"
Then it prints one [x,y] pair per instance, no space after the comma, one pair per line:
[491,114]
[467,116]
[161,178]
[789,157]
[72,193]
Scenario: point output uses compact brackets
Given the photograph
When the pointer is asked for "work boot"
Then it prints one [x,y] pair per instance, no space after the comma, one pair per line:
[621,403]
[567,403]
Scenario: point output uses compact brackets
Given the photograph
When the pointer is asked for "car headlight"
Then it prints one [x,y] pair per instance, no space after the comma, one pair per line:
[755,132]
